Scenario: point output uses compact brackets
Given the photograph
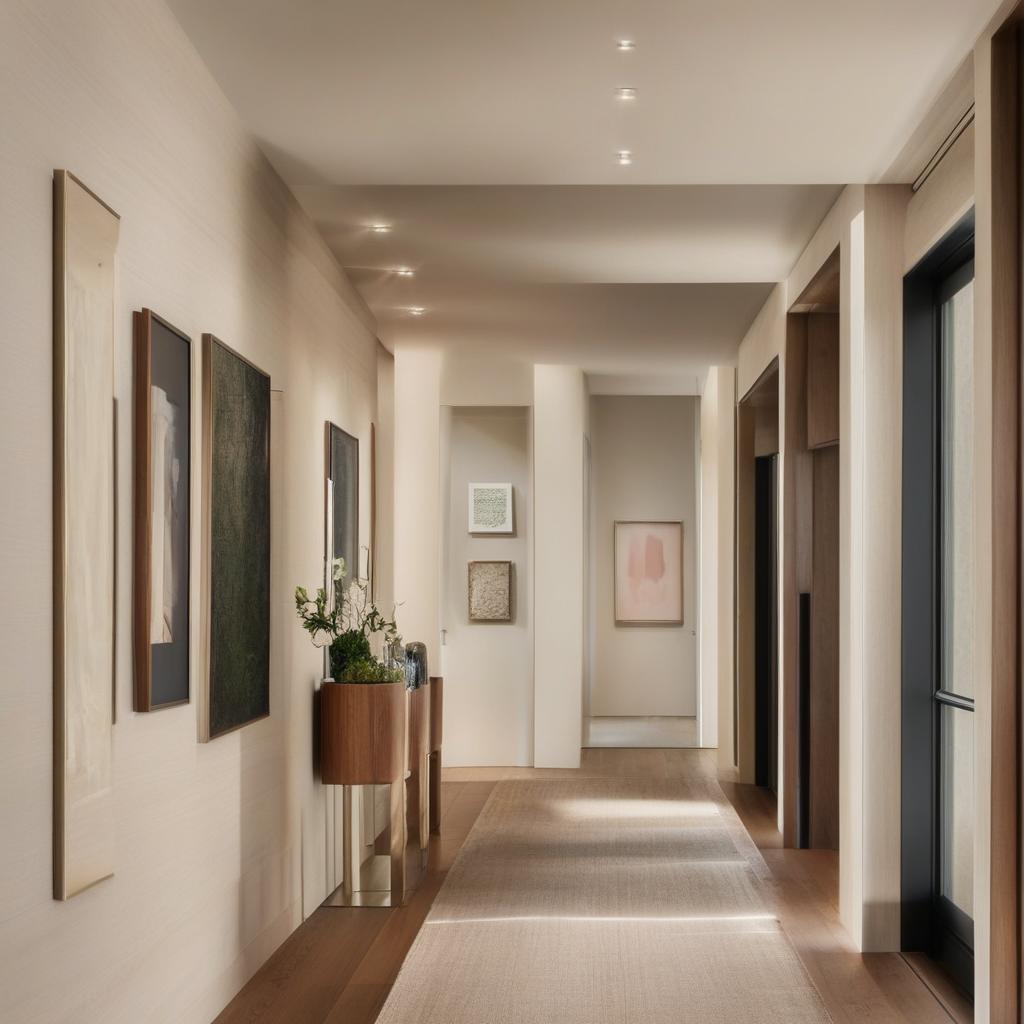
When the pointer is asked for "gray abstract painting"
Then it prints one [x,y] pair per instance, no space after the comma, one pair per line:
[238,422]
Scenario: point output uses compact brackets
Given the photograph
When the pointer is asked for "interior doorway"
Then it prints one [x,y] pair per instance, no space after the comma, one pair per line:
[938,721]
[757,638]
[810,816]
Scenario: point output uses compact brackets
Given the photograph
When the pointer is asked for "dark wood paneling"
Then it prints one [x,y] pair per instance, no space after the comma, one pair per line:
[1005,264]
[822,379]
[824,682]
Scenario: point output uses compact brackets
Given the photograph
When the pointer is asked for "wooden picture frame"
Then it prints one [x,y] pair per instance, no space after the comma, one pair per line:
[666,532]
[85,237]
[480,606]
[236,541]
[163,405]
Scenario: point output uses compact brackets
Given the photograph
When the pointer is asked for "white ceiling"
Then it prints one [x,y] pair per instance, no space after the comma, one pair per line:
[660,278]
[496,125]
[502,92]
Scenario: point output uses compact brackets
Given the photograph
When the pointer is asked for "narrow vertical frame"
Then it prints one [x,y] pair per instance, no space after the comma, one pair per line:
[84,528]
[146,697]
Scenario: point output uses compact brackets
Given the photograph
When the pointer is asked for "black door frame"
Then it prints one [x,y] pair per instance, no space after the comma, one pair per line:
[929,923]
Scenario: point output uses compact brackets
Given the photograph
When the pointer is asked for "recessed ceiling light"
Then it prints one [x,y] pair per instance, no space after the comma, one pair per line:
[625,157]
[404,272]
[381,229]
[625,45]
[626,92]
[416,311]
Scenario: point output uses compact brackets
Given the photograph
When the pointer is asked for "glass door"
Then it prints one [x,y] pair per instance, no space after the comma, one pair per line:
[954,691]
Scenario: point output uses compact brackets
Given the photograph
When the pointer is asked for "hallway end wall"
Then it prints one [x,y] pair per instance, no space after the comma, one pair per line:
[643,467]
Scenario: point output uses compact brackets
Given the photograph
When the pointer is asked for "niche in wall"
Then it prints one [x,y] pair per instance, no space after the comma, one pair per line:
[487,590]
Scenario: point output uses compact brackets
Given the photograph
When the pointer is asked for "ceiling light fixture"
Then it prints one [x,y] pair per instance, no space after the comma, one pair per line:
[416,311]
[626,92]
[625,45]
[625,157]
[381,229]
[404,272]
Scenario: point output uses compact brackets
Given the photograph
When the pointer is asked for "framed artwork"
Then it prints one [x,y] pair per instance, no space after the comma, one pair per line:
[163,494]
[343,499]
[236,528]
[490,508]
[649,574]
[84,552]
[490,591]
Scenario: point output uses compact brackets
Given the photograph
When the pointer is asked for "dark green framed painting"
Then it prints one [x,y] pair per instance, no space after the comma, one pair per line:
[236,521]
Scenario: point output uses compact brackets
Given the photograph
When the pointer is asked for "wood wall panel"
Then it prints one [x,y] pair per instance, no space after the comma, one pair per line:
[822,379]
[824,802]
[1006,183]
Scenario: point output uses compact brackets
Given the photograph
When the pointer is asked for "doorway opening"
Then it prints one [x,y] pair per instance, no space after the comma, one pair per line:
[756,701]
[811,574]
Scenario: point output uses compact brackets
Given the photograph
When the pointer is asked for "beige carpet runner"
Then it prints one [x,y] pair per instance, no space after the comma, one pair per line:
[605,900]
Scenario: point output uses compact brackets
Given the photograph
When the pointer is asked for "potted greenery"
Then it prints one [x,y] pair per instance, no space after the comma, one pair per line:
[362,705]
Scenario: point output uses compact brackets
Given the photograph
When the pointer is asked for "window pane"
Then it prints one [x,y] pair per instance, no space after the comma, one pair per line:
[956,854]
[957,433]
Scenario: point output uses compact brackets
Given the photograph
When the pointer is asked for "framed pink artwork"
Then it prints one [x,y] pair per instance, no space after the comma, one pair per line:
[649,574]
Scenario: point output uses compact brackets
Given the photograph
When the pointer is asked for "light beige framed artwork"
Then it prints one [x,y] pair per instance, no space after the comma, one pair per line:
[648,571]
[85,235]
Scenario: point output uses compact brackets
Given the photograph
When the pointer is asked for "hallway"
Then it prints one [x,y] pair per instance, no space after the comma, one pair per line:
[639,834]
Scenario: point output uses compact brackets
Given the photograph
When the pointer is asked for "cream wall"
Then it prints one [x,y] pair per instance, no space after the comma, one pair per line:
[946,195]
[417,497]
[717,518]
[867,223]
[643,466]
[223,847]
[559,425]
[488,667]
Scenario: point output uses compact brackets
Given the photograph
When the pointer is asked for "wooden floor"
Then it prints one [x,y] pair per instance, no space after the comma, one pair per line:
[338,967]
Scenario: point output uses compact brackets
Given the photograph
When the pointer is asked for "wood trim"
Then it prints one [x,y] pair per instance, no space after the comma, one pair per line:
[59,554]
[142,524]
[1005,965]
[795,498]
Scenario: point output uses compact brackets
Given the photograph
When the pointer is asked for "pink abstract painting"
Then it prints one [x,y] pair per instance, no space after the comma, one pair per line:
[649,573]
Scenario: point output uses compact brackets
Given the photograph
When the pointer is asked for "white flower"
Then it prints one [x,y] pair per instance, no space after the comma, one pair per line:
[338,569]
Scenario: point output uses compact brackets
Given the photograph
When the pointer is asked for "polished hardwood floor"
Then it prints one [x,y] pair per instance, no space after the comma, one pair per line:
[338,967]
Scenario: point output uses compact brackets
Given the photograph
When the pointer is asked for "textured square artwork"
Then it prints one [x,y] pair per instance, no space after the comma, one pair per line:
[490,508]
[649,574]
[236,419]
[490,591]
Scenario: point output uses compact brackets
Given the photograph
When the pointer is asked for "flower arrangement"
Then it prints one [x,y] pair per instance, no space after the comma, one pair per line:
[346,621]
